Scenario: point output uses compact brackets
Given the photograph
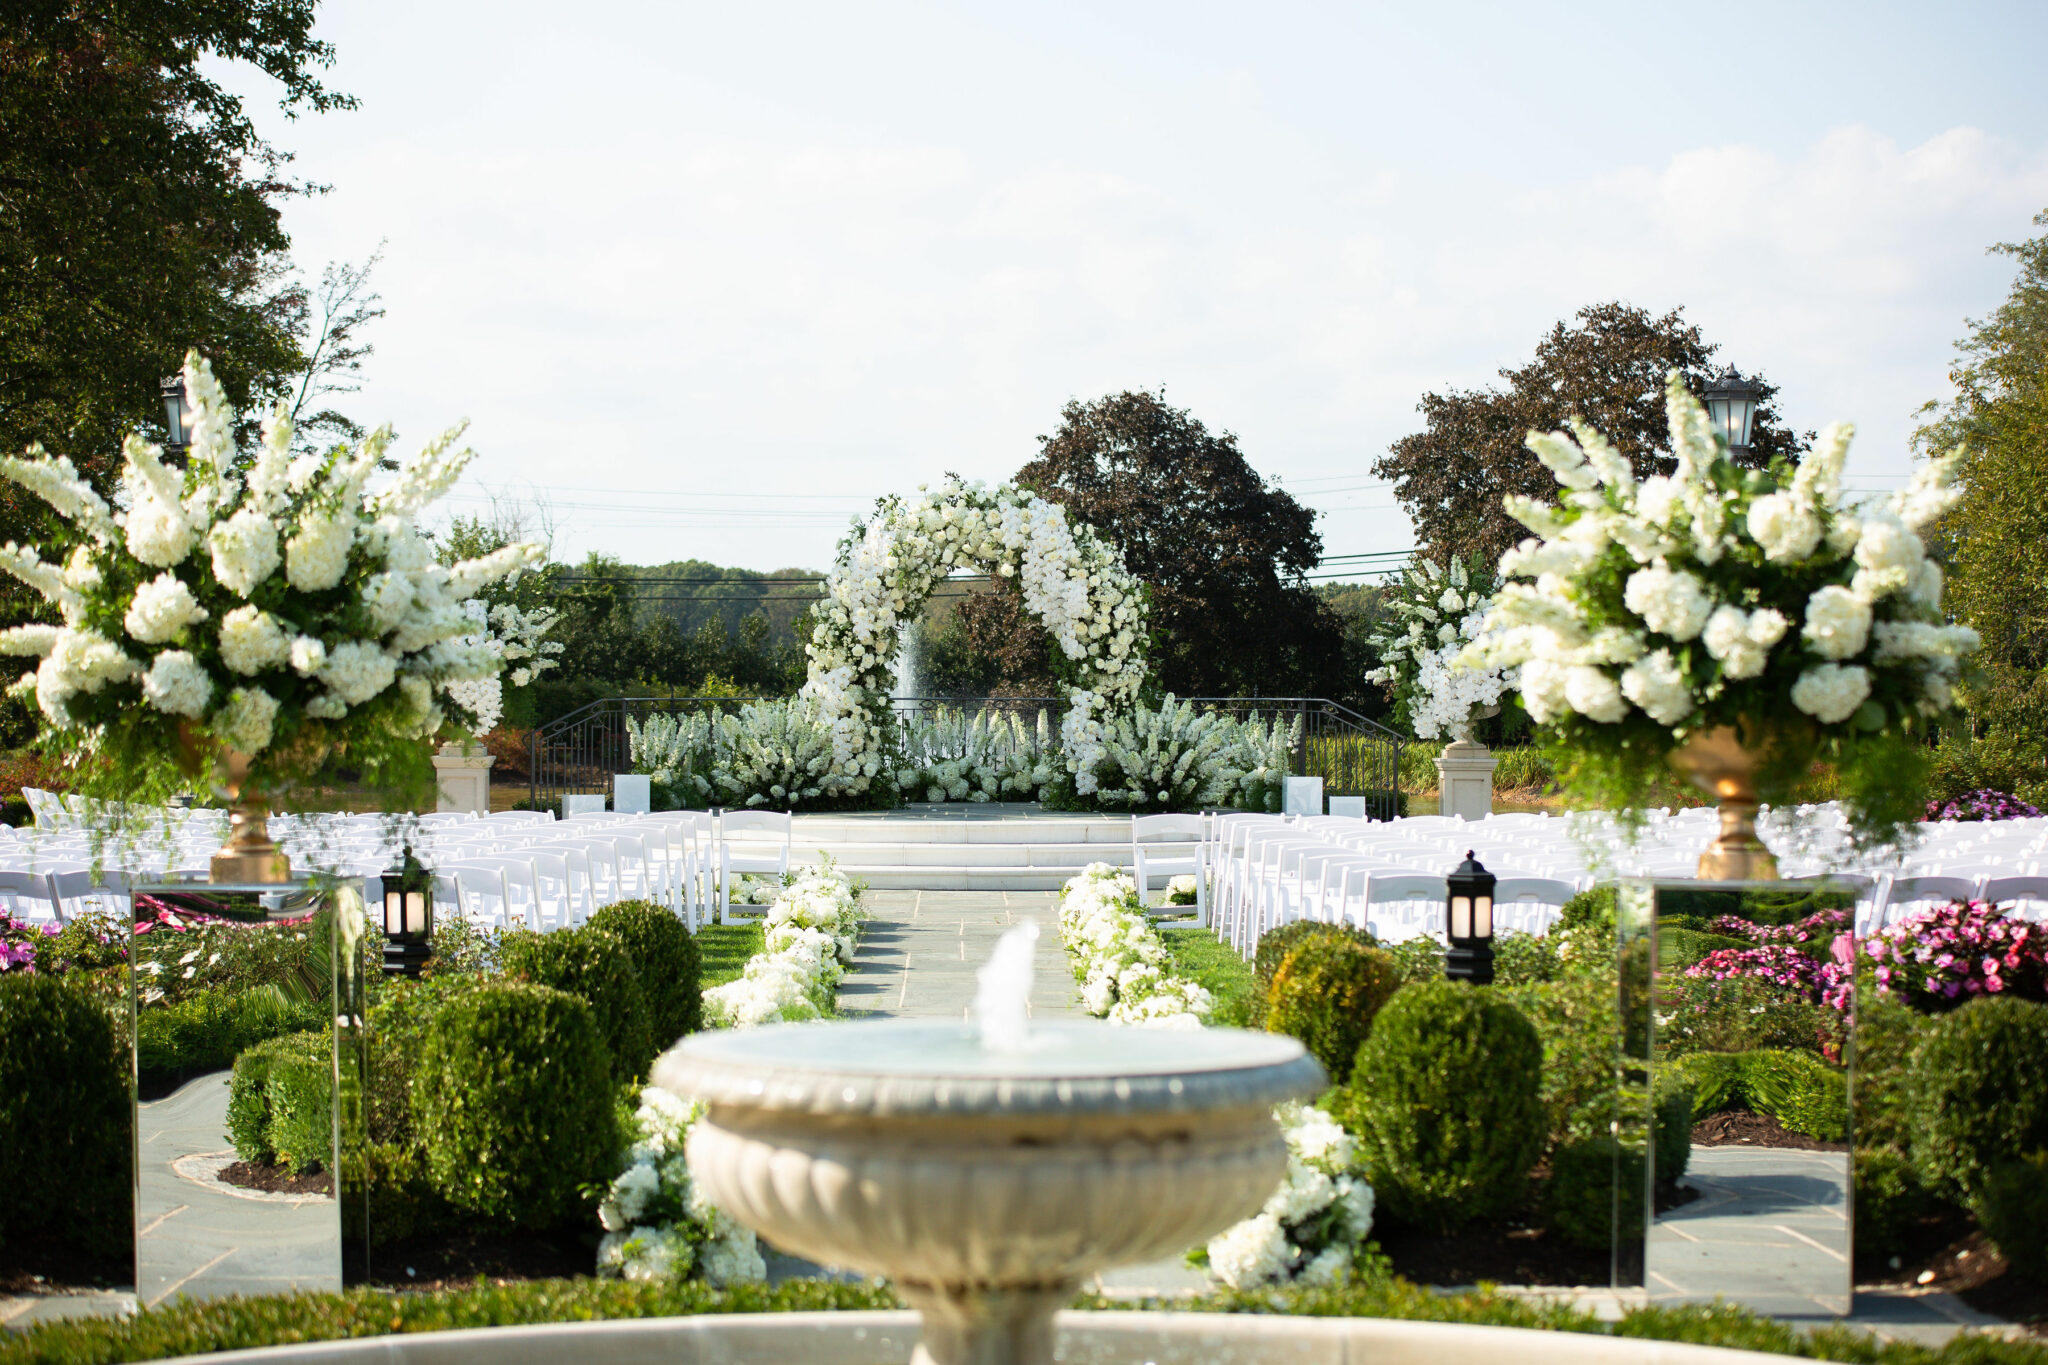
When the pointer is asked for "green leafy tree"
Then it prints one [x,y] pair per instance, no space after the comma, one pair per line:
[1606,366]
[1996,539]
[139,212]
[1223,552]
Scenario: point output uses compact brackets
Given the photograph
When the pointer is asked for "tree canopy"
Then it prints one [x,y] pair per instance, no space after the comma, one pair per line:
[1606,366]
[139,211]
[1222,552]
[1996,538]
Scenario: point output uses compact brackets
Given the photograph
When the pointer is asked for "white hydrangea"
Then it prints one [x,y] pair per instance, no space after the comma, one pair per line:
[1784,526]
[1837,623]
[317,557]
[1118,957]
[177,683]
[812,927]
[252,640]
[1593,693]
[357,670]
[1315,1225]
[1830,693]
[1655,684]
[161,608]
[244,550]
[1671,601]
[245,722]
[1742,640]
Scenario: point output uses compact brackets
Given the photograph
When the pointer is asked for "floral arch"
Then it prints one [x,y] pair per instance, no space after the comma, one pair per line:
[1074,582]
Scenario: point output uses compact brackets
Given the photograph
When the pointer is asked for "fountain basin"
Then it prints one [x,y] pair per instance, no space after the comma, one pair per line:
[987,1185]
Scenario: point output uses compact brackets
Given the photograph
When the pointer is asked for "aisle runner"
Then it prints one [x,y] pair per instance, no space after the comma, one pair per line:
[919,951]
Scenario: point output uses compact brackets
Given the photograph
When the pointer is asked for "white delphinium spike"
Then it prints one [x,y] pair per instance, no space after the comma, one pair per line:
[57,482]
[1931,493]
[28,565]
[427,476]
[33,640]
[1818,480]
[270,477]
[1605,460]
[1563,458]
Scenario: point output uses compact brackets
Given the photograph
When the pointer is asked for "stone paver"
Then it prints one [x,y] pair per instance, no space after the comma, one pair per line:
[919,952]
[1770,1230]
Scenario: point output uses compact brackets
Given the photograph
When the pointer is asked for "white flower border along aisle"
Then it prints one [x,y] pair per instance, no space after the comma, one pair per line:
[1314,1228]
[1073,581]
[657,1223]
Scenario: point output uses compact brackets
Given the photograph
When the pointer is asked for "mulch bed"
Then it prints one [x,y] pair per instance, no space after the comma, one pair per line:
[458,1260]
[249,1175]
[1740,1128]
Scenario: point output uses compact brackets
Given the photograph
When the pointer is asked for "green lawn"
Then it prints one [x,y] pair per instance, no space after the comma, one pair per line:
[1215,966]
[726,947]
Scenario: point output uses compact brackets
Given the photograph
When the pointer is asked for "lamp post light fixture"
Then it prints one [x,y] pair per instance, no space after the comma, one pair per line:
[1468,922]
[408,918]
[177,415]
[1731,402]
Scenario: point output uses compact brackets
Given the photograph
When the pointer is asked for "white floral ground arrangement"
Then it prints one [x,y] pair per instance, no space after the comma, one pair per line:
[1314,1228]
[1073,581]
[1123,967]
[657,1224]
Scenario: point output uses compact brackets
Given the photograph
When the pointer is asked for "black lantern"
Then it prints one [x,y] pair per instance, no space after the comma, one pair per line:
[1468,923]
[177,415]
[408,917]
[1731,402]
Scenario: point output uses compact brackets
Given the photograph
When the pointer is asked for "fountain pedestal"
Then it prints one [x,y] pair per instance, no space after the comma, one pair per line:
[987,1185]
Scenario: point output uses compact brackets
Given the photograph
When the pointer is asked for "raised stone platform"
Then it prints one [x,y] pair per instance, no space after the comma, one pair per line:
[994,846]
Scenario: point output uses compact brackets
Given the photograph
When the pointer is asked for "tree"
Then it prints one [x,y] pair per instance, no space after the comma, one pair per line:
[1606,367]
[1996,539]
[1222,551]
[139,213]
[334,348]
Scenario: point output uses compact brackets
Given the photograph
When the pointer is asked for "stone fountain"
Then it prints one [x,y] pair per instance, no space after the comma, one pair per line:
[987,1171]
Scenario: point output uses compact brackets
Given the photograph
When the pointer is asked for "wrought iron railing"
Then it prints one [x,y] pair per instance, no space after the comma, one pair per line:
[1353,754]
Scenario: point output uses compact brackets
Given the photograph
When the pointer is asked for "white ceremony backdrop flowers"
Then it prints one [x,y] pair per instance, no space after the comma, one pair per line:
[520,641]
[1643,612]
[1072,581]
[281,610]
[1432,615]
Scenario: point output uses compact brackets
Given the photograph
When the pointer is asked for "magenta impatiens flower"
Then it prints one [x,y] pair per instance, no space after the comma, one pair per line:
[1982,804]
[1947,954]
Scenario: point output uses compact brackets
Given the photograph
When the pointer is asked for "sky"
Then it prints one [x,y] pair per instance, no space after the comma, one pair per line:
[707,280]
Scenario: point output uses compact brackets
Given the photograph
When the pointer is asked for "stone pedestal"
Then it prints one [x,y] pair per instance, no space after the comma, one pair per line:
[464,772]
[1464,774]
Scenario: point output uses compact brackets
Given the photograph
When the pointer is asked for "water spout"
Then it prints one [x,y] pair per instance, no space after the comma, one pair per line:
[1002,1004]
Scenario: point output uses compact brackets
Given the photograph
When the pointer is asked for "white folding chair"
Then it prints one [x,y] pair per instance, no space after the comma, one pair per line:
[1895,895]
[749,858]
[2001,890]
[1186,836]
[1405,889]
[1539,894]
[30,895]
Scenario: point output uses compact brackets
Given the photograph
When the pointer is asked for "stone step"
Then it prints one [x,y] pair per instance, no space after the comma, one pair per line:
[963,855]
[919,878]
[829,830]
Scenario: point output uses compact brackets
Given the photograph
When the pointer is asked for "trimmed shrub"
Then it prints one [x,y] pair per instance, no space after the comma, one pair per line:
[665,956]
[1671,1108]
[2014,1212]
[1678,949]
[281,1099]
[1522,959]
[1579,1028]
[66,1124]
[208,1029]
[1887,1032]
[1980,1083]
[1587,1181]
[512,1097]
[1800,1091]
[1447,1103]
[1890,1200]
[596,967]
[1326,993]
[1276,944]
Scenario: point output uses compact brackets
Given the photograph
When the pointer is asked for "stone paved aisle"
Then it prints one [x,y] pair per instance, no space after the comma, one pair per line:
[919,952]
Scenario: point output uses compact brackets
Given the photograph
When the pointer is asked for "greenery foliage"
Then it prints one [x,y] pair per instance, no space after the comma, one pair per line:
[514,1098]
[2013,1210]
[1327,993]
[597,967]
[664,954]
[1798,1089]
[1980,1093]
[207,1030]
[1236,994]
[1578,1025]
[1589,1179]
[1447,1105]
[66,1125]
[281,1102]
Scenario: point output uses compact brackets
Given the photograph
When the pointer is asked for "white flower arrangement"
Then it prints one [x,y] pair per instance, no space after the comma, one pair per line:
[1072,580]
[519,642]
[1182,758]
[1122,965]
[812,928]
[989,756]
[1313,1229]
[657,1223]
[1433,614]
[283,610]
[1719,596]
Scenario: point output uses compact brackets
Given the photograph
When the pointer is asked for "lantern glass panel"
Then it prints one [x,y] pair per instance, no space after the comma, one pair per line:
[1461,917]
[415,912]
[1482,917]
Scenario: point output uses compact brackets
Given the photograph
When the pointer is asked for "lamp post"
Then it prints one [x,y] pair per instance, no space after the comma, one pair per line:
[408,918]
[1731,402]
[177,416]
[1468,920]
